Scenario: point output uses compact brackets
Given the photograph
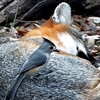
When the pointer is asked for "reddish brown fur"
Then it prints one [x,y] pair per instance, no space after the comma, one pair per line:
[49,30]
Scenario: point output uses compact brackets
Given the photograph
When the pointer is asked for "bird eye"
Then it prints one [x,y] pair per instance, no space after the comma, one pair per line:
[51,48]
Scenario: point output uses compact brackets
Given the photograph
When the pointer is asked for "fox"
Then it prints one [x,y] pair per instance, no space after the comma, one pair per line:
[58,29]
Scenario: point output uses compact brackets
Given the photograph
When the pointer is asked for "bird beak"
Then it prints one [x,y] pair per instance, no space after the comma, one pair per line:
[56,50]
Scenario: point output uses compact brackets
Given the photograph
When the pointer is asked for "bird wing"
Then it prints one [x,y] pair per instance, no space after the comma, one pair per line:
[36,59]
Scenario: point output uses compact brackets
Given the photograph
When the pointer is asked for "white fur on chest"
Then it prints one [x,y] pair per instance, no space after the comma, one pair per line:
[70,45]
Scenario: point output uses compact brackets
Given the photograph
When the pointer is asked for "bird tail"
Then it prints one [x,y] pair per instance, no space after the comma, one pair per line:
[12,92]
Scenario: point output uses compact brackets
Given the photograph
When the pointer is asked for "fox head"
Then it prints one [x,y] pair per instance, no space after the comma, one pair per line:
[59,30]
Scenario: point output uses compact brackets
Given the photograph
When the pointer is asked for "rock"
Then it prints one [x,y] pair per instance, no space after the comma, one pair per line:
[94,19]
[64,77]
[90,39]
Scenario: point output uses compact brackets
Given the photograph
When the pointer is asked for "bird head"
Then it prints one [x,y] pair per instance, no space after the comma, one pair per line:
[48,46]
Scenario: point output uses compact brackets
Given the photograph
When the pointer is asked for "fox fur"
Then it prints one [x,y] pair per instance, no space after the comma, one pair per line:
[59,30]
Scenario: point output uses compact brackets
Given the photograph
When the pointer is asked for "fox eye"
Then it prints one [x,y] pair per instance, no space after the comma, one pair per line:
[51,47]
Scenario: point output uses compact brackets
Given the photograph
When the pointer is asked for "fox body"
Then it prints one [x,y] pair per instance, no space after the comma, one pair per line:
[59,30]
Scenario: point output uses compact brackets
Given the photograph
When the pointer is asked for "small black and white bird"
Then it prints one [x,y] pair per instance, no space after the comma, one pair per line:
[33,64]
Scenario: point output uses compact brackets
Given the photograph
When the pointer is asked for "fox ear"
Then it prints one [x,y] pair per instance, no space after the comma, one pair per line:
[62,14]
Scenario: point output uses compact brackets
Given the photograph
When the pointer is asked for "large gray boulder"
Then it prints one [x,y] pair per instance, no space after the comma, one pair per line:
[64,77]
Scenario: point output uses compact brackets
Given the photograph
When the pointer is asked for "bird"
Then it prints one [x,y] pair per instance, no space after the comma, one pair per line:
[36,61]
